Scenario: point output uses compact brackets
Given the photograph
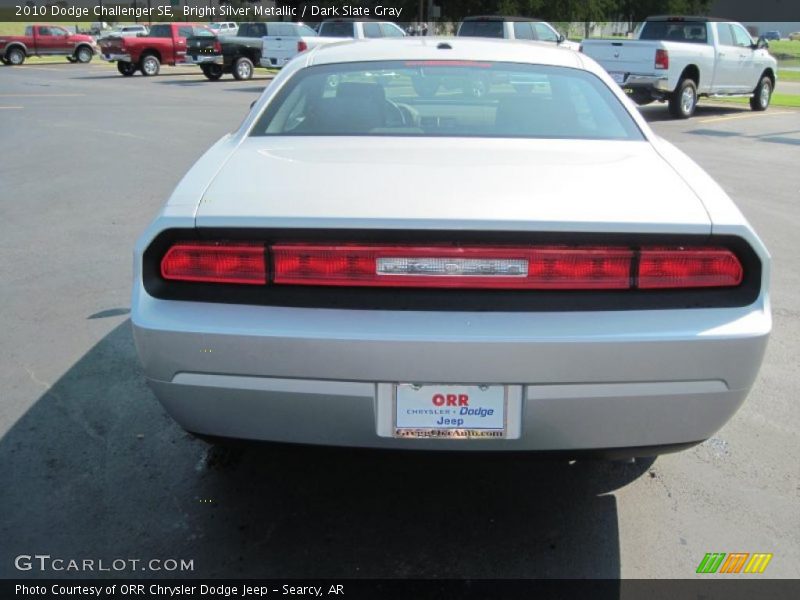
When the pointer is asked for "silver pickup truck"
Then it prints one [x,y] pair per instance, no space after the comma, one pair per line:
[277,50]
[679,59]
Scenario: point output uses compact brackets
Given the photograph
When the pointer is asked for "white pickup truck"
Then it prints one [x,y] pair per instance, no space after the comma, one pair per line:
[277,50]
[678,59]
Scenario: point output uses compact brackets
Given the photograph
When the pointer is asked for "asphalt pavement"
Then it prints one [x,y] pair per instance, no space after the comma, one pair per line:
[92,468]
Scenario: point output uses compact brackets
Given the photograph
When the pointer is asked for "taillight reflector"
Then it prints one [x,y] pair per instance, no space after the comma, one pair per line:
[215,263]
[453,267]
[662,59]
[302,46]
[688,268]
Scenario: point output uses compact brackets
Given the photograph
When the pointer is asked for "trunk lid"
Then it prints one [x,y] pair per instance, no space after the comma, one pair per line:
[483,184]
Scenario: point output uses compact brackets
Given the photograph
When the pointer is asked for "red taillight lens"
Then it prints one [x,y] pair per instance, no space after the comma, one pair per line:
[662,59]
[553,267]
[454,267]
[215,263]
[217,47]
[302,46]
[689,267]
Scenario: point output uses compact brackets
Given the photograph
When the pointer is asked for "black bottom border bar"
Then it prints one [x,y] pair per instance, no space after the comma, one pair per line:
[710,587]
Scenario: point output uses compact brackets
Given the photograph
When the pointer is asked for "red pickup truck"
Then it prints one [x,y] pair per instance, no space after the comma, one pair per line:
[46,40]
[166,43]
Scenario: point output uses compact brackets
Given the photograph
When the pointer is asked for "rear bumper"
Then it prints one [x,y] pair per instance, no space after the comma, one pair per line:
[116,57]
[639,81]
[204,60]
[584,381]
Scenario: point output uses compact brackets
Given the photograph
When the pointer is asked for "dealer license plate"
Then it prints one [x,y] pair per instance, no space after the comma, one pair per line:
[450,411]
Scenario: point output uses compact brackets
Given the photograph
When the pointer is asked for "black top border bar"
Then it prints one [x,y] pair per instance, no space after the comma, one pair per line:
[401,11]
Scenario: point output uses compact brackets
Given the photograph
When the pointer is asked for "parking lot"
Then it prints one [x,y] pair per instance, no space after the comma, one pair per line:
[92,467]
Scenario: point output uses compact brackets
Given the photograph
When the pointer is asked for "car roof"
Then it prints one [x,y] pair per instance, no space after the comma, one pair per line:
[679,18]
[445,48]
[502,18]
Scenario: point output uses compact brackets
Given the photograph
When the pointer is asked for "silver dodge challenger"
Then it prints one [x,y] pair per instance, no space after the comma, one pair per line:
[453,244]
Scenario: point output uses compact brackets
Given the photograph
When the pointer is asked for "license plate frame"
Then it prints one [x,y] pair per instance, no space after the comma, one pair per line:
[618,76]
[446,402]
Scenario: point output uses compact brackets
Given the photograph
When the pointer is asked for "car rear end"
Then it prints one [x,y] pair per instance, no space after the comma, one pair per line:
[536,307]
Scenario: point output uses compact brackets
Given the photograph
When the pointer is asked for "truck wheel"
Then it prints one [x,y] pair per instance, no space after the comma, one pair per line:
[243,69]
[683,100]
[762,95]
[84,54]
[150,65]
[15,56]
[72,59]
[212,72]
[126,68]
[4,60]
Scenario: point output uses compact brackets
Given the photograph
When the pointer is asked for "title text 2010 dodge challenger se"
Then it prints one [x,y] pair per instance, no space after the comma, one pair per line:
[450,244]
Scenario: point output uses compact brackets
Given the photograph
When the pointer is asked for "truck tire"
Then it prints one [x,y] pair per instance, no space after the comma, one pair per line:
[150,65]
[4,60]
[212,72]
[683,100]
[126,68]
[243,69]
[15,56]
[84,54]
[72,59]
[762,94]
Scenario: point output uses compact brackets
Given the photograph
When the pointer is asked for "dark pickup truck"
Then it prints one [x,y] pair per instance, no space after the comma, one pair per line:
[237,54]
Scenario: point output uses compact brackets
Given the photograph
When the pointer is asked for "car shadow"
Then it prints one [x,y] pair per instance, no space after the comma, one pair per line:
[97,469]
[201,80]
[116,75]
[657,112]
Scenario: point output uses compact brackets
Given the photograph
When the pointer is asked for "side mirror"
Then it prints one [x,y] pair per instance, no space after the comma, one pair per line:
[561,38]
[762,43]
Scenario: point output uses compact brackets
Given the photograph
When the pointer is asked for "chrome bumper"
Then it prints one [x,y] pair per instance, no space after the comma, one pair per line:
[116,57]
[204,60]
[640,81]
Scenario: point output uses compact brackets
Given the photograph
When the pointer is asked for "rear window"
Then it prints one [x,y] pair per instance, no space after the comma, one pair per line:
[693,32]
[488,29]
[446,99]
[337,29]
[160,31]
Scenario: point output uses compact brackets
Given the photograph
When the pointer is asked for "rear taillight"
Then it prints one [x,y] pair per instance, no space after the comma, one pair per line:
[662,59]
[453,267]
[544,267]
[689,268]
[217,47]
[302,46]
[215,263]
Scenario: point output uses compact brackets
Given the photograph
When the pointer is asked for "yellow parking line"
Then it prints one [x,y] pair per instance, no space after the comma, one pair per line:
[745,116]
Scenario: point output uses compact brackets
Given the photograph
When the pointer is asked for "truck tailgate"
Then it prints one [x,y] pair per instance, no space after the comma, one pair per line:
[279,49]
[202,45]
[112,45]
[629,56]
